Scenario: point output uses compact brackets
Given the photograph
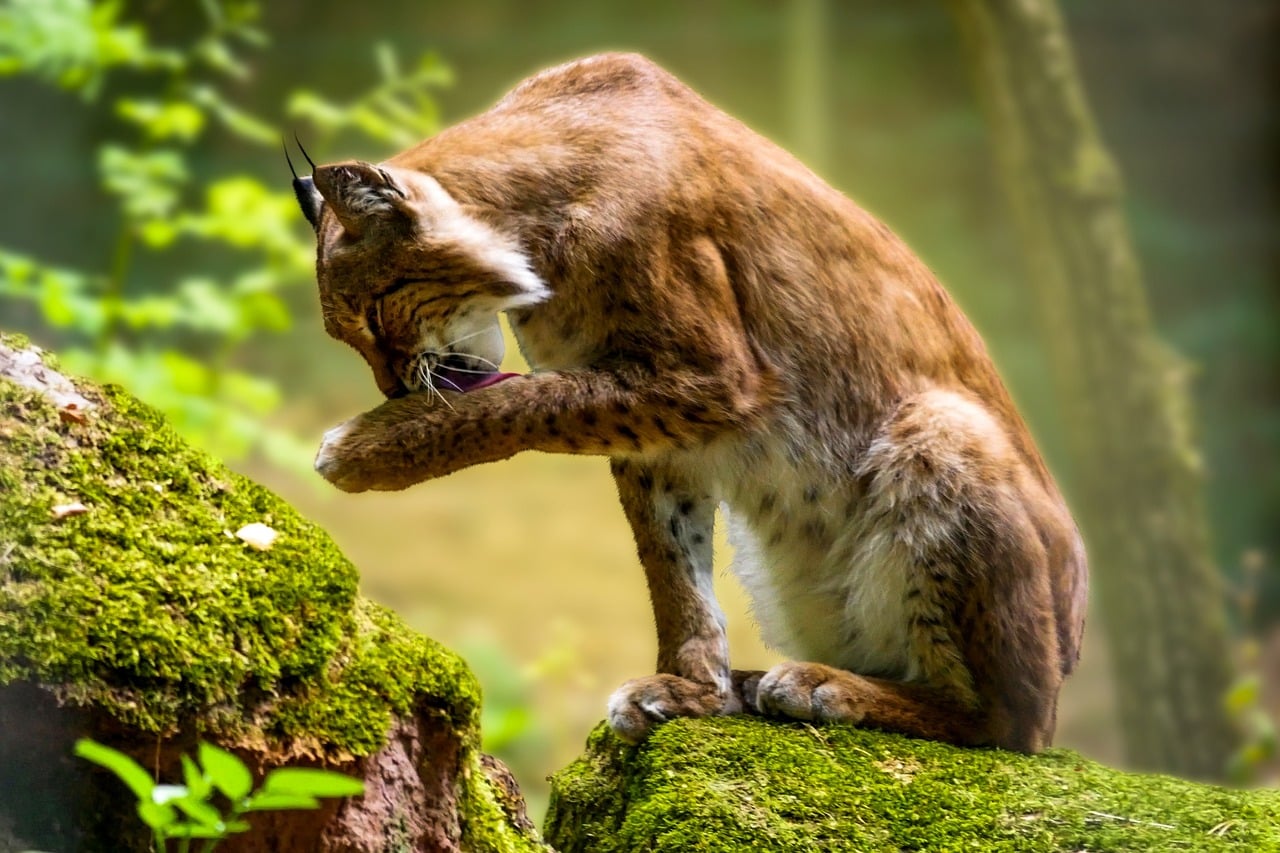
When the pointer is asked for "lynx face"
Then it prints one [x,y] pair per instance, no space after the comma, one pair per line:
[410,280]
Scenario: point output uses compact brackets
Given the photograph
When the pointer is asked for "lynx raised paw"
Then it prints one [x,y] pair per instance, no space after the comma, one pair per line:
[641,704]
[336,462]
[810,691]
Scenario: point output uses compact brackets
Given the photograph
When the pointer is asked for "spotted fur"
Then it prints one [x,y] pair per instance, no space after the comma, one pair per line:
[728,330]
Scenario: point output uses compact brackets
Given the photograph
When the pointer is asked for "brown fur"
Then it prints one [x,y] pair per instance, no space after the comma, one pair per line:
[725,327]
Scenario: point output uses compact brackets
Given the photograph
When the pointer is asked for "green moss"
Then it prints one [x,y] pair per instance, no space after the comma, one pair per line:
[485,823]
[733,784]
[388,670]
[149,607]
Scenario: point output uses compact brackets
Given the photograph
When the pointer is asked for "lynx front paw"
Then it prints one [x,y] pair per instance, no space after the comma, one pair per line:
[336,462]
[641,704]
[811,691]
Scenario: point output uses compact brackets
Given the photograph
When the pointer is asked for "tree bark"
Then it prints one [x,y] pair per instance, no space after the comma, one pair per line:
[1136,478]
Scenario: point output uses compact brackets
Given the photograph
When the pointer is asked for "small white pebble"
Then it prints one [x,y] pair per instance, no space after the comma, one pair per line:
[63,510]
[257,535]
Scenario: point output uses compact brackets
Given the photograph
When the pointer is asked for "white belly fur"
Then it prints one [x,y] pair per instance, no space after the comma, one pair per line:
[825,584]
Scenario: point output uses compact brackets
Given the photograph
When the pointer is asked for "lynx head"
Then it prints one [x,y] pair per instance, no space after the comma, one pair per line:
[411,279]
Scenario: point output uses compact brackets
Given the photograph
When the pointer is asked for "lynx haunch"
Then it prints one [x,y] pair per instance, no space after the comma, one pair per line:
[729,330]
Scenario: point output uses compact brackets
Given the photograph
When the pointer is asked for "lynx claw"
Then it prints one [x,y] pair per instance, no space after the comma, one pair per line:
[641,704]
[809,691]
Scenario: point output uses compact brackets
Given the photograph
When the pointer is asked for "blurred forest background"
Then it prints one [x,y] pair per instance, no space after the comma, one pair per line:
[149,231]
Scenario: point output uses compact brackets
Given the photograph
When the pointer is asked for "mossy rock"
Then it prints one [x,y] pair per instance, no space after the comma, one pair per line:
[128,602]
[747,784]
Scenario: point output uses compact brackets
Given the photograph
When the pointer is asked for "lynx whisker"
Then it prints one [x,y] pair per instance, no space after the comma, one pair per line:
[469,370]
[425,378]
[478,358]
[455,385]
[464,338]
[442,398]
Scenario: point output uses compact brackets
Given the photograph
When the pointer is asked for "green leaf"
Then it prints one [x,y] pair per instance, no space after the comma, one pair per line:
[195,830]
[202,813]
[65,301]
[315,783]
[263,801]
[227,772]
[218,56]
[254,393]
[158,816]
[197,782]
[264,311]
[309,105]
[154,312]
[162,120]
[129,771]
[234,119]
[1243,694]
[146,182]
[384,53]
[205,306]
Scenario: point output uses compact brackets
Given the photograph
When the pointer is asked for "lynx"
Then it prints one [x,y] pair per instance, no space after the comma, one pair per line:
[730,331]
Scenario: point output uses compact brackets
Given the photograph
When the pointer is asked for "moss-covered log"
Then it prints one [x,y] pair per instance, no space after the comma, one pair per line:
[742,783]
[131,612]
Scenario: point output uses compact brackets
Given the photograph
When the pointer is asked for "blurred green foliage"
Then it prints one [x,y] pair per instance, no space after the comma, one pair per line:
[180,346]
[1246,702]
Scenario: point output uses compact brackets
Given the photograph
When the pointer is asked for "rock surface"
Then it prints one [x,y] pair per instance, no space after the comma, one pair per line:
[132,613]
[743,783]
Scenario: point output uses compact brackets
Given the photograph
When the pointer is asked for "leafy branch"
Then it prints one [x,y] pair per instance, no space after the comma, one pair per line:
[178,343]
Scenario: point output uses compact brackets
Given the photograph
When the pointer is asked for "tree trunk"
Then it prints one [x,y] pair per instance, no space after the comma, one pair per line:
[804,76]
[1136,475]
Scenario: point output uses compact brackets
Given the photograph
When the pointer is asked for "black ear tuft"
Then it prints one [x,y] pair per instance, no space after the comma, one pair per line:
[304,188]
[309,200]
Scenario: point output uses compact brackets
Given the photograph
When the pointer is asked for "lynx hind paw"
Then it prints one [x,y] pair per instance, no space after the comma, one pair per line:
[746,688]
[810,691]
[641,704]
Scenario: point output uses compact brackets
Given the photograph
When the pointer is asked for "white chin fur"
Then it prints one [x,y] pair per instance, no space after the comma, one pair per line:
[487,344]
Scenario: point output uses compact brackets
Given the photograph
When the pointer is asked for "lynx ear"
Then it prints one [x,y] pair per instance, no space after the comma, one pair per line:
[362,196]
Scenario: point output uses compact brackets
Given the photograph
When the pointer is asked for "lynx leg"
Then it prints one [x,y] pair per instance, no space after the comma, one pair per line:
[672,521]
[980,538]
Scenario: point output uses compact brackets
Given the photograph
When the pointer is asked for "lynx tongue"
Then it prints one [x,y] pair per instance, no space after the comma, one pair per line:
[450,379]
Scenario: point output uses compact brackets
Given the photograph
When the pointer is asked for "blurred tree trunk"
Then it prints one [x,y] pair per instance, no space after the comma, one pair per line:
[805,80]
[1137,489]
